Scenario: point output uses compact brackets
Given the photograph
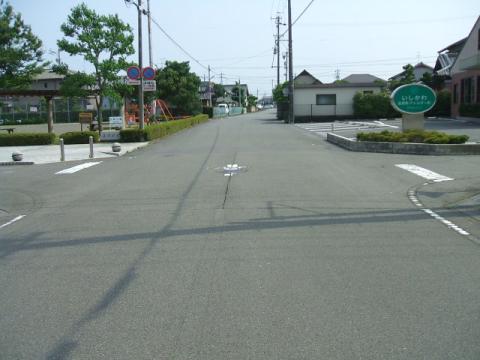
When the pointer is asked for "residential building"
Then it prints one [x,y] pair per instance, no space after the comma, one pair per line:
[227,99]
[465,73]
[418,71]
[205,92]
[315,100]
[446,58]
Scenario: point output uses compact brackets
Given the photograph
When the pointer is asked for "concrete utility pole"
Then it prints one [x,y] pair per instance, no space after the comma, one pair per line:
[277,22]
[285,63]
[209,89]
[149,17]
[291,112]
[141,109]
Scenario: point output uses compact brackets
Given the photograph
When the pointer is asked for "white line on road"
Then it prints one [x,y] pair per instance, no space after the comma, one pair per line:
[77,168]
[12,221]
[425,173]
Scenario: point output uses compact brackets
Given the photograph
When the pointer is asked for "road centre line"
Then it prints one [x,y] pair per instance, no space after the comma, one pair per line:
[425,173]
[12,221]
[77,168]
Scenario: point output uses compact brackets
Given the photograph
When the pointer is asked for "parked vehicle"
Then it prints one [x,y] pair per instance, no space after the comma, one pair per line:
[225,107]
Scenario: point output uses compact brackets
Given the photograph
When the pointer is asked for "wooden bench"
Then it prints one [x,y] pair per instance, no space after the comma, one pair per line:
[10,130]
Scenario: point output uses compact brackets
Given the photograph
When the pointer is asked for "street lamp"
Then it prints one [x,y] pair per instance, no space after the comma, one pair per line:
[141,109]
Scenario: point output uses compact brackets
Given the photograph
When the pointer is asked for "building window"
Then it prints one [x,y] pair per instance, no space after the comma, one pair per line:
[455,93]
[467,91]
[328,99]
[45,85]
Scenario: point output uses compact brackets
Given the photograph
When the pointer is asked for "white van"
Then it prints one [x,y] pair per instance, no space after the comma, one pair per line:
[225,107]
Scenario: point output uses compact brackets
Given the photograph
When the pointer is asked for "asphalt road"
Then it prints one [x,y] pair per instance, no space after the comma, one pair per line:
[310,252]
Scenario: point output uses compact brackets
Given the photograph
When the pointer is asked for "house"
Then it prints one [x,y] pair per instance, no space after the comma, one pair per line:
[465,73]
[205,93]
[314,100]
[418,71]
[446,58]
[229,92]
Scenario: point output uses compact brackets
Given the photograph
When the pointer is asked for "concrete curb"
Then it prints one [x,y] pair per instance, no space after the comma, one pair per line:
[12,163]
[403,148]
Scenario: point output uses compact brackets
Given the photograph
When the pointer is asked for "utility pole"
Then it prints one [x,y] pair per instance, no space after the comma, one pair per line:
[221,78]
[291,112]
[285,63]
[140,65]
[150,56]
[337,74]
[209,89]
[277,21]
[240,94]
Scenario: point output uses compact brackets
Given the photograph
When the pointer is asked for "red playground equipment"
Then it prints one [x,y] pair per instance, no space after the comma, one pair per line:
[131,112]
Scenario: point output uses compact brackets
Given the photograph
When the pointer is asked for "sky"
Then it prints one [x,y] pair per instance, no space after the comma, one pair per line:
[236,38]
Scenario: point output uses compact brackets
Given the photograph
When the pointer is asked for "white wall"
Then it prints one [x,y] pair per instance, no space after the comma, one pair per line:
[469,50]
[305,101]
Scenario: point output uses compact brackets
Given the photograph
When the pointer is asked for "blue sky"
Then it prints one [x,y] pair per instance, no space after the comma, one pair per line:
[236,38]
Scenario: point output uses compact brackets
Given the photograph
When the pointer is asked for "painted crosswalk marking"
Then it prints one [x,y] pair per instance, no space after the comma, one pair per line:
[77,168]
[338,126]
[424,173]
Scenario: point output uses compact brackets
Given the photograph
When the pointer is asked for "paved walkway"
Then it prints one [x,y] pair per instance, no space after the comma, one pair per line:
[51,153]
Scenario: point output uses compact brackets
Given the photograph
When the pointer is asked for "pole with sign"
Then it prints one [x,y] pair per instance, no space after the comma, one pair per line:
[413,100]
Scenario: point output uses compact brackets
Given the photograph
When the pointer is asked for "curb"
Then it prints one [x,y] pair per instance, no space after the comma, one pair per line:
[11,163]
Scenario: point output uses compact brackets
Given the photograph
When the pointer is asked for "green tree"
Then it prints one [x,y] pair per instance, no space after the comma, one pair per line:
[104,41]
[20,50]
[218,91]
[239,94]
[179,87]
[408,77]
[251,100]
[278,95]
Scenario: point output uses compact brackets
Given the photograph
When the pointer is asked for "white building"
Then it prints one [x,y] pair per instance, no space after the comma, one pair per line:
[315,101]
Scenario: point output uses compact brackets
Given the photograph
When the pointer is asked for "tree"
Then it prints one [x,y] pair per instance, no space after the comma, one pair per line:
[218,91]
[251,100]
[20,50]
[278,95]
[408,77]
[239,94]
[179,87]
[105,41]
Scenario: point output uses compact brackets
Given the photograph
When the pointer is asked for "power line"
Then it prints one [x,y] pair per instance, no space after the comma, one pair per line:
[299,16]
[178,45]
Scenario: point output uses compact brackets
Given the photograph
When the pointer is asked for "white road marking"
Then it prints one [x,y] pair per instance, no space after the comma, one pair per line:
[77,168]
[12,221]
[425,173]
[413,198]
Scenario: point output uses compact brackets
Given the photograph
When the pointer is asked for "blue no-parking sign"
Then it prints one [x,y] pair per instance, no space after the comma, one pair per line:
[133,72]
[148,73]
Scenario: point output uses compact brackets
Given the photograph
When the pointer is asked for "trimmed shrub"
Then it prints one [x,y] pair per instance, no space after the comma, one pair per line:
[133,135]
[156,131]
[472,110]
[79,137]
[373,106]
[413,136]
[208,110]
[27,139]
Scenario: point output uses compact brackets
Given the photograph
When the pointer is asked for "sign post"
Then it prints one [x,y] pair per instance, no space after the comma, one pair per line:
[413,100]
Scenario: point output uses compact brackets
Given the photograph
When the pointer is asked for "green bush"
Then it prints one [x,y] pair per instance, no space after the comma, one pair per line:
[442,105]
[156,131]
[79,137]
[373,106]
[413,136]
[472,110]
[208,110]
[27,139]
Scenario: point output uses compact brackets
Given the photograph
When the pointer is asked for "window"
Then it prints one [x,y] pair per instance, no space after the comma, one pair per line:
[328,99]
[45,85]
[455,93]
[467,91]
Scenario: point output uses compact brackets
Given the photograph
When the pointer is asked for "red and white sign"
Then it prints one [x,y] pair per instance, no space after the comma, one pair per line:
[133,73]
[148,73]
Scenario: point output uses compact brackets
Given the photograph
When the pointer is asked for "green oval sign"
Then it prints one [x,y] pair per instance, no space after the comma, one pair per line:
[413,98]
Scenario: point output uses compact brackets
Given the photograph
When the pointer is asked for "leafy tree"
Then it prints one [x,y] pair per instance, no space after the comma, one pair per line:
[239,94]
[179,87]
[278,95]
[408,77]
[105,41]
[251,100]
[20,50]
[436,82]
[218,91]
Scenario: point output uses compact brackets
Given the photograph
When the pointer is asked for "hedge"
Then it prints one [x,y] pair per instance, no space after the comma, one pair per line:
[373,106]
[413,136]
[156,131]
[23,139]
[79,137]
[472,110]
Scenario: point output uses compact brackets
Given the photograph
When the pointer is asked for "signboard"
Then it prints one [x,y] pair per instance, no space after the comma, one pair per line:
[85,118]
[149,85]
[115,122]
[148,73]
[133,73]
[129,81]
[413,99]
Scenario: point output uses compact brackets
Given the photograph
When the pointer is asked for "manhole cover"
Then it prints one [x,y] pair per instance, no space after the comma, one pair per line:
[231,169]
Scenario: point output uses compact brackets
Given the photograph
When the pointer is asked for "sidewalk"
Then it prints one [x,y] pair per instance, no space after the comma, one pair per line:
[44,154]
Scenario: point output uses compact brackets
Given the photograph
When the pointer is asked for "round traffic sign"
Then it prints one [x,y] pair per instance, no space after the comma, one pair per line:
[413,98]
[148,73]
[133,72]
